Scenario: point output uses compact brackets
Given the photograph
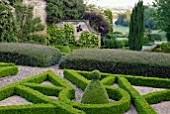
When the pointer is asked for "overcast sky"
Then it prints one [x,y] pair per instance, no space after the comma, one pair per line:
[117,2]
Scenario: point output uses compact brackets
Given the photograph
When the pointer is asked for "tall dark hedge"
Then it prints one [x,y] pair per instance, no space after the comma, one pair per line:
[58,10]
[137,27]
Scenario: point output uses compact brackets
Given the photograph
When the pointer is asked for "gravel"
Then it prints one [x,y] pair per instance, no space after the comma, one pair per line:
[26,72]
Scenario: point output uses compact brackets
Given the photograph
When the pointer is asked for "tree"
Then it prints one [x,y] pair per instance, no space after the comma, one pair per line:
[149,20]
[27,25]
[58,10]
[7,23]
[109,15]
[124,18]
[73,9]
[136,31]
[162,15]
[97,19]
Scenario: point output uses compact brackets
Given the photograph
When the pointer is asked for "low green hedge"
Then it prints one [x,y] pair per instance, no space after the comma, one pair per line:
[157,97]
[119,62]
[29,54]
[140,103]
[119,107]
[33,91]
[29,109]
[7,69]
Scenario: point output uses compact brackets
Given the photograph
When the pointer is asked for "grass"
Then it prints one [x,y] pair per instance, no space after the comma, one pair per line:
[120,28]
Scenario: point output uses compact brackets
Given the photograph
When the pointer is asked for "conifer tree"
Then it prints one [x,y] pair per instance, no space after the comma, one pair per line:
[136,32]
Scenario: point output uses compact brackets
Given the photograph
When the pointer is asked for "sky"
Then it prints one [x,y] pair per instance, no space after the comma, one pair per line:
[117,2]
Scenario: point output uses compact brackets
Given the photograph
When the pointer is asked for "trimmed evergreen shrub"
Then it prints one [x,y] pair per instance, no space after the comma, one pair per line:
[7,69]
[95,93]
[119,61]
[29,54]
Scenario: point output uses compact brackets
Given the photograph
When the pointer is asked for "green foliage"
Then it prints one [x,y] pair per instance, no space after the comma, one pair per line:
[156,97]
[54,11]
[140,103]
[58,10]
[69,33]
[56,34]
[124,18]
[96,75]
[42,103]
[66,50]
[95,92]
[155,36]
[112,43]
[29,54]
[109,15]
[7,23]
[36,39]
[73,10]
[27,109]
[119,107]
[13,2]
[165,47]
[162,15]
[27,25]
[118,61]
[98,21]
[7,69]
[88,40]
[136,32]
[149,21]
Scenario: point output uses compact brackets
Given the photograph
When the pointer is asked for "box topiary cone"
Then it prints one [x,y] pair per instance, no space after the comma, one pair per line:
[95,93]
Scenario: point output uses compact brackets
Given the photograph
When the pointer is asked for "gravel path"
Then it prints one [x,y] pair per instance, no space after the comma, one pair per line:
[26,72]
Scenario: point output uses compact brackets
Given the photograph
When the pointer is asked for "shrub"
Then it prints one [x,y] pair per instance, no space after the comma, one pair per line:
[155,36]
[165,47]
[35,39]
[8,26]
[140,103]
[119,107]
[69,33]
[95,92]
[43,104]
[29,54]
[118,61]
[56,34]
[27,25]
[7,69]
[66,50]
[58,10]
[88,40]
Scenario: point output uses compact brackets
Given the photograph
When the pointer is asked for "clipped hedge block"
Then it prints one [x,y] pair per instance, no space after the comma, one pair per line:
[29,54]
[7,69]
[119,62]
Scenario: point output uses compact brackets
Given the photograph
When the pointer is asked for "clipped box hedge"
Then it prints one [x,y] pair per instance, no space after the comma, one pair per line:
[119,62]
[38,94]
[29,54]
[7,69]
